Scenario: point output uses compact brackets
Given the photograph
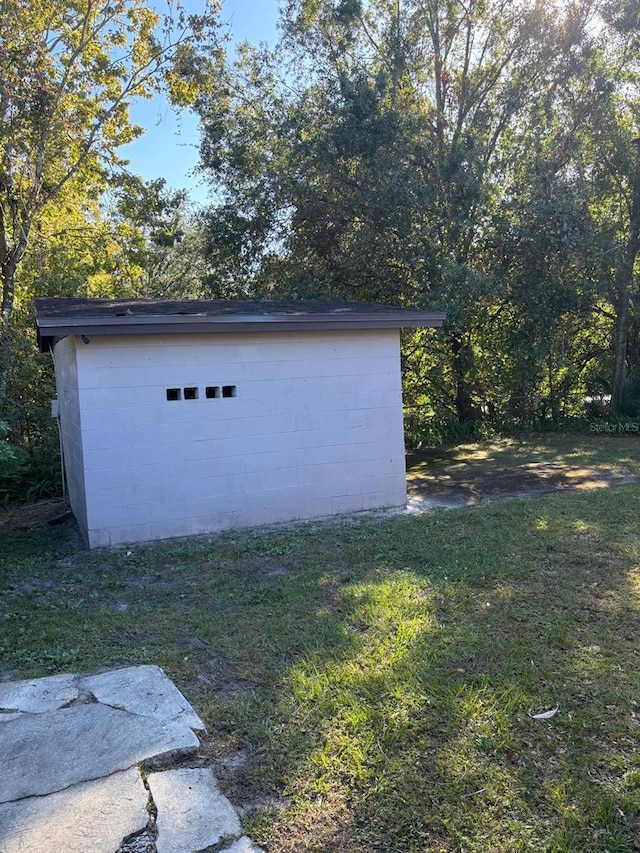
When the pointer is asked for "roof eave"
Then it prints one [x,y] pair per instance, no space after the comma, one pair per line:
[52,329]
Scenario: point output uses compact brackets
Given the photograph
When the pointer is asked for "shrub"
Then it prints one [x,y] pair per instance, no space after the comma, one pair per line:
[25,478]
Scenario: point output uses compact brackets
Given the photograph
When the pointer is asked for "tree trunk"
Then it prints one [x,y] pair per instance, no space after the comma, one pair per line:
[462,364]
[9,261]
[633,340]
[6,313]
[624,286]
[620,341]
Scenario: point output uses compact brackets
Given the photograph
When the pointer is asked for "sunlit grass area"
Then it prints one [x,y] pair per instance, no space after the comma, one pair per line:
[372,685]
[617,453]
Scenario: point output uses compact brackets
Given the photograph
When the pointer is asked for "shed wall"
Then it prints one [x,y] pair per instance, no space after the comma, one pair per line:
[71,426]
[314,427]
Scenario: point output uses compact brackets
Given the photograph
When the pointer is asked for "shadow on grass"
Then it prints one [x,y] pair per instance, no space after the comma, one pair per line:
[476,473]
[618,452]
[418,726]
[381,676]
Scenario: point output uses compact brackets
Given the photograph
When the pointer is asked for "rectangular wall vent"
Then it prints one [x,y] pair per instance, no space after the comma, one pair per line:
[211,392]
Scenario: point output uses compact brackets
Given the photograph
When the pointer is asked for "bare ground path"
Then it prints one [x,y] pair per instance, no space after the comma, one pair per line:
[510,468]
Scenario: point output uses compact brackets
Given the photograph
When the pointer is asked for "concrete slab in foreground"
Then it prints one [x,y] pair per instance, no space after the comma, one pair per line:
[192,813]
[43,753]
[91,816]
[69,750]
[39,695]
[143,690]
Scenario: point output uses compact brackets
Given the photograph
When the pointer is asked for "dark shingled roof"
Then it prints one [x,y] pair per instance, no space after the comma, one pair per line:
[57,318]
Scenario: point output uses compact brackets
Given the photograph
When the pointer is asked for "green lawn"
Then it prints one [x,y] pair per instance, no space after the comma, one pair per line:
[615,452]
[370,685]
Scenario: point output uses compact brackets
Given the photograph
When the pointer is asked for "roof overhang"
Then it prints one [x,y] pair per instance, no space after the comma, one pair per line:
[59,318]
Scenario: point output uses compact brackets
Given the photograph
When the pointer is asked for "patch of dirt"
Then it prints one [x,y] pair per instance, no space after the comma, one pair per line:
[30,516]
[471,483]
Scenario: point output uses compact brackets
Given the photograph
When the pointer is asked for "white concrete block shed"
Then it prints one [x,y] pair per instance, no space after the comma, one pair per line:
[181,418]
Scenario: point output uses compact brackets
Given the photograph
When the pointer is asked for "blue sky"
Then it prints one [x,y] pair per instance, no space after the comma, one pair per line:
[169,148]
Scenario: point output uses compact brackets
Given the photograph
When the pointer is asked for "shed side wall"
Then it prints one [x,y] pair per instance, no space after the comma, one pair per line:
[67,385]
[311,426]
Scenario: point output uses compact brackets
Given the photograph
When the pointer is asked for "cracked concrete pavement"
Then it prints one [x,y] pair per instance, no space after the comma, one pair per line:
[73,755]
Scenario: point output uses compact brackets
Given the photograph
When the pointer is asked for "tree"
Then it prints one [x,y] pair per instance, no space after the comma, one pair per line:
[159,241]
[69,73]
[379,173]
[608,161]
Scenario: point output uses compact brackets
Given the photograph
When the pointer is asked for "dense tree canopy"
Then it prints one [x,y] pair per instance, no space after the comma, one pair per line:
[480,157]
[473,156]
[69,73]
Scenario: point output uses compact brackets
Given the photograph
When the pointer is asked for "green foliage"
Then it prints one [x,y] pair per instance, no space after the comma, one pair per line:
[477,159]
[630,403]
[474,159]
[29,442]
[7,453]
[69,73]
[422,431]
[159,244]
[25,478]
[31,387]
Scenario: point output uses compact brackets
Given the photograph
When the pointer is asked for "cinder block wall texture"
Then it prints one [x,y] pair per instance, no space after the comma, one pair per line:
[66,366]
[183,434]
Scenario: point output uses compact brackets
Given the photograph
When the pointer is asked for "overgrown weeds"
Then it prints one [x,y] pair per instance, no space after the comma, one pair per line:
[26,478]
